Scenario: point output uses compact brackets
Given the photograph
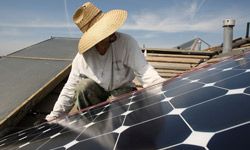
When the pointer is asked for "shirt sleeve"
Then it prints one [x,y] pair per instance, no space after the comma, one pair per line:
[146,74]
[65,101]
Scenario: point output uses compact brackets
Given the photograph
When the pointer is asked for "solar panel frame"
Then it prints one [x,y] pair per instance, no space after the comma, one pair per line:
[56,47]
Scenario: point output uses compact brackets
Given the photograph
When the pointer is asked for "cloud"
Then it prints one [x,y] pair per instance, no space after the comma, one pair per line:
[17,28]
[183,17]
[67,18]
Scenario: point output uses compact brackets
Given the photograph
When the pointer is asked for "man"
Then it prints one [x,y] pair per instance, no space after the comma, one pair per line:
[106,63]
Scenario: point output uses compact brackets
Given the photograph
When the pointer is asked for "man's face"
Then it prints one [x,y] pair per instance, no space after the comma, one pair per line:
[103,46]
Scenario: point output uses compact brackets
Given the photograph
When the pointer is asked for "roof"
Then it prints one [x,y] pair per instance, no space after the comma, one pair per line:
[29,74]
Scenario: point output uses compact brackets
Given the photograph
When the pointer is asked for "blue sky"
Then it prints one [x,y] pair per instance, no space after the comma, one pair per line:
[155,23]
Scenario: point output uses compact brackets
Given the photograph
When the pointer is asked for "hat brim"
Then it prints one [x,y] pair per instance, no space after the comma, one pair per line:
[107,25]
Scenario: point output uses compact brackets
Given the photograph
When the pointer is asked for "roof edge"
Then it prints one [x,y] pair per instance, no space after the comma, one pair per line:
[51,38]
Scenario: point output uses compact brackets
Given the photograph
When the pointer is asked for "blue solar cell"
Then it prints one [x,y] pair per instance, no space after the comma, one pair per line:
[236,138]
[103,142]
[34,145]
[197,96]
[110,113]
[148,112]
[219,76]
[221,113]
[145,102]
[177,82]
[231,63]
[243,66]
[18,139]
[182,89]
[154,134]
[234,82]
[60,140]
[199,74]
[101,127]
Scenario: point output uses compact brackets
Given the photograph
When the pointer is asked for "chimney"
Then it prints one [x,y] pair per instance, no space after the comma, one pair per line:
[228,25]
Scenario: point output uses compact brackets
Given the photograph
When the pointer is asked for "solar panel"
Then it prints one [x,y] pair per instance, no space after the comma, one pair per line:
[42,65]
[204,109]
[20,78]
[59,48]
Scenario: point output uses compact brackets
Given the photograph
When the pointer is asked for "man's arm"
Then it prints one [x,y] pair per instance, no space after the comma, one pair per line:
[146,74]
[65,101]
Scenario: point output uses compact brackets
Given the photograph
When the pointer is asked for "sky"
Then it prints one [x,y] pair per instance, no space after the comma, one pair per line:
[153,23]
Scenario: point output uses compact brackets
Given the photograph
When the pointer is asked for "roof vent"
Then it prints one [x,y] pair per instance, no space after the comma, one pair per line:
[228,25]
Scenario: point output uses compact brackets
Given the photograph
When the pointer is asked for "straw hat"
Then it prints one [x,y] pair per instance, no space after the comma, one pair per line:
[96,25]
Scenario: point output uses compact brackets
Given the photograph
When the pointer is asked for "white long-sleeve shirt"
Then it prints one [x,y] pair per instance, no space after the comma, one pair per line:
[117,67]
